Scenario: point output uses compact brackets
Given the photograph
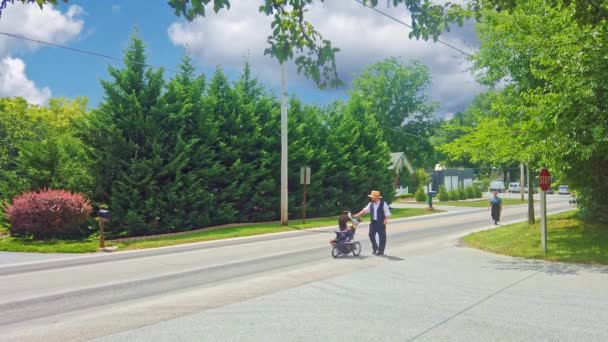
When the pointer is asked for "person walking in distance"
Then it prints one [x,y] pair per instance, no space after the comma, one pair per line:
[379,213]
[495,207]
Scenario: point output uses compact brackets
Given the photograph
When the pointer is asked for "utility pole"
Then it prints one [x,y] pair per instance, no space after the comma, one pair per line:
[522,177]
[284,213]
[530,197]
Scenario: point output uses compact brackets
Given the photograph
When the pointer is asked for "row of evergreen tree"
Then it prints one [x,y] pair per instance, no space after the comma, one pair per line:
[190,152]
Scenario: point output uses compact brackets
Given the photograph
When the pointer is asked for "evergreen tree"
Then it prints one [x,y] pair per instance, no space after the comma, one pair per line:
[127,138]
[221,106]
[187,194]
[257,198]
[360,157]
[308,147]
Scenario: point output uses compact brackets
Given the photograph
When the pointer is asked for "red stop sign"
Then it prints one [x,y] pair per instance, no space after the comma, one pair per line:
[544,180]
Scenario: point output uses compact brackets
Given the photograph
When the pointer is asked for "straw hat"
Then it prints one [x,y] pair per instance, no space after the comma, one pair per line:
[375,194]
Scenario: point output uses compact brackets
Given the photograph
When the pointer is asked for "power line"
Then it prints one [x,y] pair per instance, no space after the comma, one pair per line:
[410,26]
[92,53]
[97,54]
[402,132]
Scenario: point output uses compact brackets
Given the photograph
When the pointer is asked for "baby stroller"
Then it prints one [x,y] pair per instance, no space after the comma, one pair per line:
[345,242]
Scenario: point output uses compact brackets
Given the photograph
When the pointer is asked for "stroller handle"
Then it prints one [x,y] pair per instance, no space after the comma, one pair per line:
[355,220]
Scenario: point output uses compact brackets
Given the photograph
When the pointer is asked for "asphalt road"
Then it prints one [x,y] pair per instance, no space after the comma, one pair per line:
[287,287]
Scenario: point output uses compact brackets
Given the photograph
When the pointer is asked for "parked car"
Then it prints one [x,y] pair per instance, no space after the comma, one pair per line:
[563,190]
[534,189]
[498,186]
[514,188]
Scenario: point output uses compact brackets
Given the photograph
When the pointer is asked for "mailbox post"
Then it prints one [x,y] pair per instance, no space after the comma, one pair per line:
[431,195]
[103,216]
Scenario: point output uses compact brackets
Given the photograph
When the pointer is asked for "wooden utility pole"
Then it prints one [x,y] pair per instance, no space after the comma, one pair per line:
[530,197]
[284,212]
[522,177]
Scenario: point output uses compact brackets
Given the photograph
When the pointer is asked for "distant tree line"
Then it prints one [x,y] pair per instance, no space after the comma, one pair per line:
[192,152]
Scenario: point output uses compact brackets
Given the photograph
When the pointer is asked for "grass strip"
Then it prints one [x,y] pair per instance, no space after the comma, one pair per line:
[482,203]
[569,239]
[13,244]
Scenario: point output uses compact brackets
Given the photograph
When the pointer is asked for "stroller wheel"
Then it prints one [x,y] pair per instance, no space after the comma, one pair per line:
[335,252]
[356,249]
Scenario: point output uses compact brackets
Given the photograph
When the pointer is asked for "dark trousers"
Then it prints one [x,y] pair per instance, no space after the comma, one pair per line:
[380,229]
[495,212]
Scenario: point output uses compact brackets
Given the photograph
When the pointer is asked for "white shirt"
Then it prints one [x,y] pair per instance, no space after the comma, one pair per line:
[374,206]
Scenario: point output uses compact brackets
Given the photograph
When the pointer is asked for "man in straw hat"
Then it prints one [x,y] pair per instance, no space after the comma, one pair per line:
[380,214]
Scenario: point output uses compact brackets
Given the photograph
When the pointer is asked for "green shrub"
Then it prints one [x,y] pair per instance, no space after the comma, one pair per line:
[462,195]
[478,192]
[443,194]
[420,195]
[453,195]
[419,178]
[470,192]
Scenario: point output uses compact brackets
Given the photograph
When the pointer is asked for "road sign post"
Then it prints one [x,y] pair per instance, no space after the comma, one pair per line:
[304,179]
[544,182]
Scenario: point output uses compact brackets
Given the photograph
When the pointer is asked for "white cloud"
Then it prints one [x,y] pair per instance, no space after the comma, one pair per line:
[363,36]
[226,37]
[49,25]
[115,8]
[14,82]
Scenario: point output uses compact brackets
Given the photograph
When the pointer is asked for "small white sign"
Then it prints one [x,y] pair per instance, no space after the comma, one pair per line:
[305,175]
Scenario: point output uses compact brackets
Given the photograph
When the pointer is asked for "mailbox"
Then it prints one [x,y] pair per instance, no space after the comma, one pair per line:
[432,193]
[104,214]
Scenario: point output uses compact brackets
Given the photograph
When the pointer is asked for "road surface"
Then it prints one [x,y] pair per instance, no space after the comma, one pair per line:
[287,287]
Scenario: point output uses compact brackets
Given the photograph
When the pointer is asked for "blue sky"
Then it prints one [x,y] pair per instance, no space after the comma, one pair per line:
[107,30]
[224,40]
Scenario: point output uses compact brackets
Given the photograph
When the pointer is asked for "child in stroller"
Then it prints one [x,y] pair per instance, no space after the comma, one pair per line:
[344,242]
[346,233]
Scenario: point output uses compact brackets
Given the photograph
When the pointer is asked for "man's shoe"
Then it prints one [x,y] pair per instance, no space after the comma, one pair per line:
[379,253]
[374,252]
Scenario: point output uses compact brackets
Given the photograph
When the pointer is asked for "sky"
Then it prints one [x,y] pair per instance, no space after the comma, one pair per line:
[38,72]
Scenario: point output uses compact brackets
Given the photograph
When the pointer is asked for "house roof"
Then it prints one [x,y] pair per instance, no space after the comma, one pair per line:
[400,157]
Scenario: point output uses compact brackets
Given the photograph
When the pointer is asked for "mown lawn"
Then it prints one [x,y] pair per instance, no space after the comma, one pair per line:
[569,239]
[254,229]
[12,244]
[91,245]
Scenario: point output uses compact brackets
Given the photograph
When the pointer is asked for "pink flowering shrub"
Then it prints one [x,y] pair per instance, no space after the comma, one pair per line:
[47,213]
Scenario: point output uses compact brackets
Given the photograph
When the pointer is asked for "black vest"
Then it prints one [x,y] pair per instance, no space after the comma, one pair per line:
[380,213]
